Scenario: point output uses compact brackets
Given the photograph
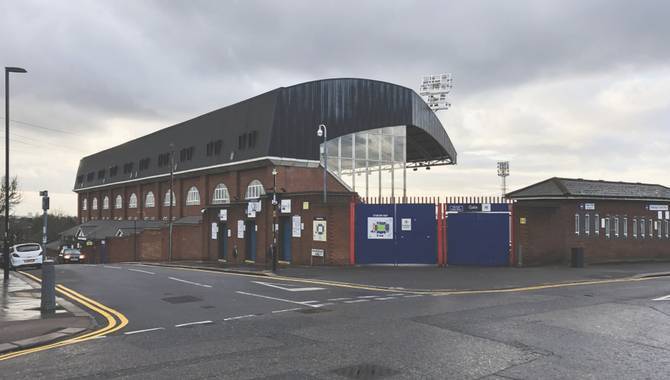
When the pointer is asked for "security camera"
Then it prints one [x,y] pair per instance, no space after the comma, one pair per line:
[319,132]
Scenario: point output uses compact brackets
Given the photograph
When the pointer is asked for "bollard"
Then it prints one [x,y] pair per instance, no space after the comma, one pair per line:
[48,297]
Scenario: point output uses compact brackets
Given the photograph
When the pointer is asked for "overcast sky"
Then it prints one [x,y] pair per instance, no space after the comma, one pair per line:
[561,88]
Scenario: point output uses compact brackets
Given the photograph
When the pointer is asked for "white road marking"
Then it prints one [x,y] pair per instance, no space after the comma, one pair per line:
[367,296]
[287,288]
[664,298]
[239,317]
[356,301]
[145,330]
[100,337]
[384,298]
[112,267]
[285,310]
[323,304]
[338,299]
[190,282]
[194,323]
[141,271]
[304,303]
[414,295]
[396,294]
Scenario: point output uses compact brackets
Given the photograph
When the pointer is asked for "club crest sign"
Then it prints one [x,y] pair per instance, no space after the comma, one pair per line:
[380,227]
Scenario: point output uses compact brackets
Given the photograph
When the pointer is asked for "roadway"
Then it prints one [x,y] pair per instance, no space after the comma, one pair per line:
[195,324]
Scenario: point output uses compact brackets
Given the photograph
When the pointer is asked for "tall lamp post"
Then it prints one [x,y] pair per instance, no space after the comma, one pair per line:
[274,220]
[6,246]
[323,132]
[172,201]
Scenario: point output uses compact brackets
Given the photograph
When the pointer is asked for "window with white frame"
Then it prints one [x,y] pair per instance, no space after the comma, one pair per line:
[596,225]
[642,228]
[587,225]
[625,228]
[167,197]
[616,226]
[667,229]
[607,227]
[650,226]
[132,202]
[254,190]
[84,204]
[193,196]
[119,202]
[659,229]
[634,228]
[94,204]
[221,194]
[149,200]
[105,203]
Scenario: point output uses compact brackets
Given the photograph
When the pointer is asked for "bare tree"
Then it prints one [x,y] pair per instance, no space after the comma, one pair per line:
[15,196]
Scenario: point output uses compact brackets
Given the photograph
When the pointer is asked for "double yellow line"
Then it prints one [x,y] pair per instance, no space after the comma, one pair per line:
[115,321]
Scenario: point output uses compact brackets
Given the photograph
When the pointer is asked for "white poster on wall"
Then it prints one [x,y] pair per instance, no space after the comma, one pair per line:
[380,227]
[215,230]
[319,230]
[240,229]
[285,206]
[406,224]
[295,226]
[223,215]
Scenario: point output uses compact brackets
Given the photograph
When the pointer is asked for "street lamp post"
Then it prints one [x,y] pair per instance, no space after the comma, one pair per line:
[172,200]
[6,247]
[323,131]
[274,220]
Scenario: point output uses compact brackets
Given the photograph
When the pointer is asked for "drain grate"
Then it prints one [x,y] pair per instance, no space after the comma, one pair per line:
[181,299]
[313,310]
[365,371]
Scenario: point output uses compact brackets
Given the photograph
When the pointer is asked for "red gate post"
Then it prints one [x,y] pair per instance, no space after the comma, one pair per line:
[352,220]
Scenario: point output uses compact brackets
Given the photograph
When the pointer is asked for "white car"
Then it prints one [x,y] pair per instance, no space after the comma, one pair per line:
[23,255]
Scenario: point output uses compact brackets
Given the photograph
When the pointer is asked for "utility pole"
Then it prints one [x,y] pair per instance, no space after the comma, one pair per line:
[274,220]
[323,131]
[6,246]
[45,206]
[172,200]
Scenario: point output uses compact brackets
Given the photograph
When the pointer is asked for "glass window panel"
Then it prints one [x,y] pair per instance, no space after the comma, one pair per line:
[333,150]
[373,147]
[388,130]
[346,164]
[399,149]
[360,145]
[387,148]
[346,149]
[333,164]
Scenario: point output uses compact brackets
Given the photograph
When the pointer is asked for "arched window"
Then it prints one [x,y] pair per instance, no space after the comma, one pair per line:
[167,197]
[94,204]
[221,194]
[119,202]
[105,203]
[132,202]
[84,204]
[255,190]
[192,197]
[149,200]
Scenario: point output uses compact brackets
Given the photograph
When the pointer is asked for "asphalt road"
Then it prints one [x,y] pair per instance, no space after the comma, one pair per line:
[191,324]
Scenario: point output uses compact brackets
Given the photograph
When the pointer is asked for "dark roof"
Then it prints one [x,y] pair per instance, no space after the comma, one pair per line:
[584,188]
[285,121]
[103,229]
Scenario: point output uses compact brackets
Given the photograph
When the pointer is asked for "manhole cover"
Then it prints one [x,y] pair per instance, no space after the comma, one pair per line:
[313,310]
[365,371]
[181,299]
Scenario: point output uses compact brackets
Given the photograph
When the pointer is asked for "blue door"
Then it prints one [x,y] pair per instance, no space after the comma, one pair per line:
[286,239]
[478,238]
[223,240]
[395,234]
[250,243]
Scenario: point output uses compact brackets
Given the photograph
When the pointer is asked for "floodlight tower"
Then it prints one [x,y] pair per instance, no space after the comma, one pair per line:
[503,172]
[434,90]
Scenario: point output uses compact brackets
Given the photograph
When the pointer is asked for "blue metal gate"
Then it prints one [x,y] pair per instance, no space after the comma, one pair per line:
[478,234]
[395,234]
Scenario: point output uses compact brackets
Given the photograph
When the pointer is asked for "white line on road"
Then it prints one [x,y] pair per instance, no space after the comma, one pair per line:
[190,282]
[338,299]
[305,303]
[356,301]
[285,310]
[396,294]
[367,296]
[286,287]
[194,323]
[112,267]
[384,298]
[145,330]
[141,271]
[323,304]
[414,295]
[239,317]
[664,298]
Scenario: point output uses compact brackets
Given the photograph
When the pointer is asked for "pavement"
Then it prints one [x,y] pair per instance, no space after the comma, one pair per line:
[22,325]
[451,278]
[191,324]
